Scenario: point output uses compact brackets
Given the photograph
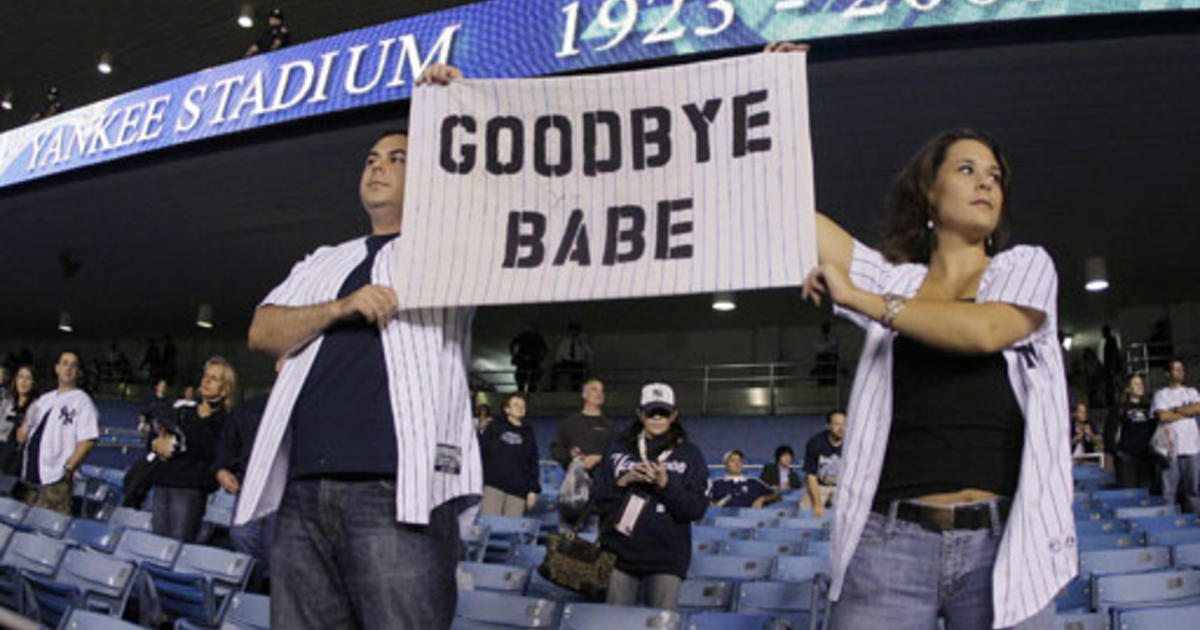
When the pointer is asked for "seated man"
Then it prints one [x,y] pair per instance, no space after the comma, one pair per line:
[738,490]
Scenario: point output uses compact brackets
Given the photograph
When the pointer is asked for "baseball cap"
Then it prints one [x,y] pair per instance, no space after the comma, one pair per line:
[657,396]
[277,13]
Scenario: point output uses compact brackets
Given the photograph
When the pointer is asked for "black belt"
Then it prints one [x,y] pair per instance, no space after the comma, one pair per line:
[941,518]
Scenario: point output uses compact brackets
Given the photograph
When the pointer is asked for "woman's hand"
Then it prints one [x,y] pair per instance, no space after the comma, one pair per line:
[659,473]
[786,47]
[439,74]
[829,279]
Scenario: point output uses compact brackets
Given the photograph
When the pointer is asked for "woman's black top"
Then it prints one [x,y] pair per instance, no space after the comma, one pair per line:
[1136,425]
[956,424]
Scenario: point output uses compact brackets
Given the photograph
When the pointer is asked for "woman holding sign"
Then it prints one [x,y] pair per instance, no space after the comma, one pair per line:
[955,497]
[649,489]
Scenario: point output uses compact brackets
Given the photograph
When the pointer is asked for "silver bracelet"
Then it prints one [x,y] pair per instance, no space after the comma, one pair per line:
[892,305]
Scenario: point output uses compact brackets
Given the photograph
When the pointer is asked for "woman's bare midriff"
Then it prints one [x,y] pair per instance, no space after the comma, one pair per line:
[968,495]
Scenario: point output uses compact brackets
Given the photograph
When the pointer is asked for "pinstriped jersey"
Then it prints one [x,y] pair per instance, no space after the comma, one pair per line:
[1037,554]
[426,353]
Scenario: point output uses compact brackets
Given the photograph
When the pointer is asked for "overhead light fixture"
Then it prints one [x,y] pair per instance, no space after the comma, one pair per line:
[204,316]
[6,103]
[64,322]
[246,16]
[724,301]
[1095,273]
[1067,341]
[105,65]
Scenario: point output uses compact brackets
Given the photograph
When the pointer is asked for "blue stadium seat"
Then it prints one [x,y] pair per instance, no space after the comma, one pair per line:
[776,511]
[1075,596]
[48,601]
[1138,588]
[1091,513]
[743,522]
[819,548]
[708,532]
[800,568]
[806,522]
[229,570]
[173,595]
[12,512]
[1172,537]
[1120,493]
[506,531]
[105,582]
[484,609]
[1169,521]
[45,522]
[527,556]
[1104,526]
[37,555]
[1157,617]
[96,535]
[781,534]
[702,594]
[1132,560]
[1132,502]
[246,611]
[706,547]
[580,616]
[779,598]
[130,518]
[1118,540]
[142,548]
[474,539]
[761,548]
[504,578]
[1145,511]
[1080,621]
[545,589]
[85,620]
[6,533]
[738,568]
[739,621]
[1186,555]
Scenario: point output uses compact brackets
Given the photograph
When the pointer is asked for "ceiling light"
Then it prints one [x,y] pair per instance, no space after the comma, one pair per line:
[6,102]
[246,17]
[64,322]
[1095,273]
[204,316]
[1066,341]
[724,301]
[105,65]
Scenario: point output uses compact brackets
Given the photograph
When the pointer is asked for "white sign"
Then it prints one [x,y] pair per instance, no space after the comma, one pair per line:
[689,179]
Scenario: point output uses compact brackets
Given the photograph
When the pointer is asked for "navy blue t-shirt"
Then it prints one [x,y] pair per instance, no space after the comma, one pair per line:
[342,421]
[737,492]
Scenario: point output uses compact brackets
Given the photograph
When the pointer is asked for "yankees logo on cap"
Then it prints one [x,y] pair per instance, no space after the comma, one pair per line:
[657,396]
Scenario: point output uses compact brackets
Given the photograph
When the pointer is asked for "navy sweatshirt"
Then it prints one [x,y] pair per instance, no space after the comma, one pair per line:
[510,458]
[662,538]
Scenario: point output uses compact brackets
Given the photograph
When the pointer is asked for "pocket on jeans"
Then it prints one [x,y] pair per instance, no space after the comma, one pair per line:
[875,531]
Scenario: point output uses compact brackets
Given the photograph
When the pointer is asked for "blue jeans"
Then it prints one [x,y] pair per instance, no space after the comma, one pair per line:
[340,560]
[1183,476]
[177,512]
[254,539]
[903,577]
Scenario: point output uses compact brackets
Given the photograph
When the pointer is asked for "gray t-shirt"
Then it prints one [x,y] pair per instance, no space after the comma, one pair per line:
[590,433]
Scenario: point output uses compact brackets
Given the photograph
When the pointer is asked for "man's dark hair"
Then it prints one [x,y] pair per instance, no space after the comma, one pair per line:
[906,236]
[784,449]
[395,131]
[78,357]
[1172,361]
[829,416]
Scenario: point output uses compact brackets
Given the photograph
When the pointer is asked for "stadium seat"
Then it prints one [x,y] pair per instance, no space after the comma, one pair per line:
[779,598]
[1172,537]
[1079,621]
[104,581]
[142,548]
[545,589]
[229,570]
[761,548]
[1157,617]
[1075,596]
[730,567]
[527,556]
[48,601]
[1132,560]
[85,620]
[739,621]
[580,616]
[96,535]
[37,555]
[1139,588]
[6,533]
[819,548]
[45,522]
[502,610]
[805,522]
[1118,540]
[780,534]
[706,546]
[474,539]
[174,595]
[12,512]
[1103,526]
[1169,521]
[1132,502]
[1145,511]
[744,522]
[800,568]
[130,518]
[504,578]
[1186,555]
[506,531]
[246,611]
[776,511]
[1120,493]
[703,594]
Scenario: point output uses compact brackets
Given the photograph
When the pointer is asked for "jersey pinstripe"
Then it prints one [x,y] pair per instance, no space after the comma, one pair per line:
[1037,553]
[425,352]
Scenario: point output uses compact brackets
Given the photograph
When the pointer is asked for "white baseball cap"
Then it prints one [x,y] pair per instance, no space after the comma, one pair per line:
[657,396]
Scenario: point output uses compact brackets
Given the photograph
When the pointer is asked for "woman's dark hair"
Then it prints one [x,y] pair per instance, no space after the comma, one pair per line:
[784,449]
[1126,398]
[12,385]
[906,235]
[674,436]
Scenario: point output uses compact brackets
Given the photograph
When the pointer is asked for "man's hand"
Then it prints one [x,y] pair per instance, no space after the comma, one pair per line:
[374,303]
[758,503]
[228,481]
[819,510]
[785,47]
[590,461]
[439,74]
[162,445]
[530,500]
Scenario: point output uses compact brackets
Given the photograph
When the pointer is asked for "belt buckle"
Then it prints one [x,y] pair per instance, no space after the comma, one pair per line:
[941,518]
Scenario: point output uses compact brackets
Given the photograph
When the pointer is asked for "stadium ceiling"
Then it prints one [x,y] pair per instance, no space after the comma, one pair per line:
[1099,120]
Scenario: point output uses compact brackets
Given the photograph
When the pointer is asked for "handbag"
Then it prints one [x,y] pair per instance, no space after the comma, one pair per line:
[576,564]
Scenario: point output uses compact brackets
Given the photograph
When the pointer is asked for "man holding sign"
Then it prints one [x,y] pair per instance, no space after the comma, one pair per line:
[367,447]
